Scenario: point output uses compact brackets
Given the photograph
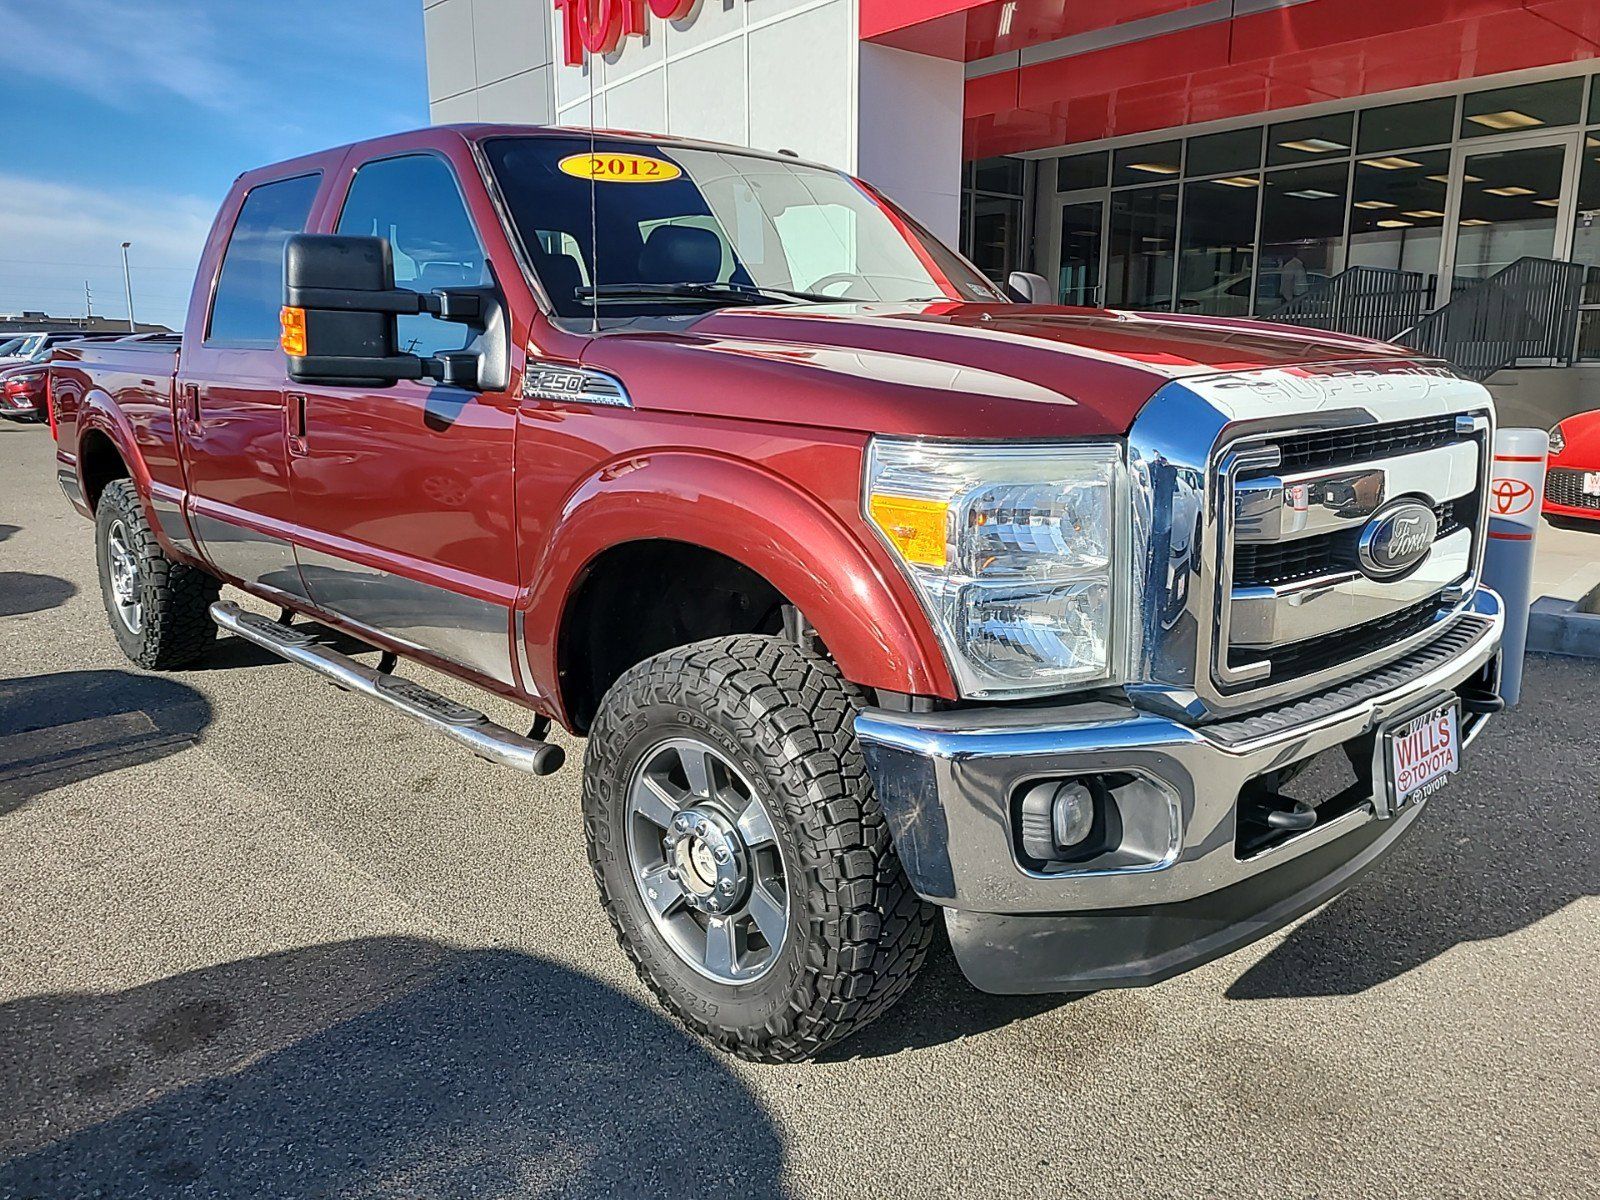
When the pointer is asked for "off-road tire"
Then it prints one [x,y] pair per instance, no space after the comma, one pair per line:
[175,628]
[857,935]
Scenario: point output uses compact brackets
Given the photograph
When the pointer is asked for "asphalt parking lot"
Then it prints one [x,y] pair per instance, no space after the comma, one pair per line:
[261,939]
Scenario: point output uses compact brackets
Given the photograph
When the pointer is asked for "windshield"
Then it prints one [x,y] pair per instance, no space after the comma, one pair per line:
[10,347]
[683,227]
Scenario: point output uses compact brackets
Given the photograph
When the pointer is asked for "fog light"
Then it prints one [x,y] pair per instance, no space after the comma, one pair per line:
[1057,817]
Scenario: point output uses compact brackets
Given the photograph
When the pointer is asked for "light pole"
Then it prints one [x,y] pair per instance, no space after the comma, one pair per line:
[127,286]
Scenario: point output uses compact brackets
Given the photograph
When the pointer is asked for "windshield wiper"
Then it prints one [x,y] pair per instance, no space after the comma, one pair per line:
[731,293]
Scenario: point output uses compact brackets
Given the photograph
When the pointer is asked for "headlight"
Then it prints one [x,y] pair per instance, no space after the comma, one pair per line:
[1558,440]
[1014,553]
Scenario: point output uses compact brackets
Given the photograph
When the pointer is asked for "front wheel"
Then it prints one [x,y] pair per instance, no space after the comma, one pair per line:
[159,609]
[740,852]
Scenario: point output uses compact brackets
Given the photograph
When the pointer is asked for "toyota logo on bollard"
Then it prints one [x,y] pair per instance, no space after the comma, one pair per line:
[1510,497]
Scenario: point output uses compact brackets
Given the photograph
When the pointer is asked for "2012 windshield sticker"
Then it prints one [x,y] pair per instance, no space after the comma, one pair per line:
[619,168]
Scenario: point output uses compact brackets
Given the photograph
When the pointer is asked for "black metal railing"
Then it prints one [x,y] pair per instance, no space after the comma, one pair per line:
[1373,302]
[1526,312]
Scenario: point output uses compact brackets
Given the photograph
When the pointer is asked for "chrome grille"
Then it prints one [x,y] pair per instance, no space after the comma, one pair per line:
[1333,447]
[1294,598]
[1264,564]
[1250,490]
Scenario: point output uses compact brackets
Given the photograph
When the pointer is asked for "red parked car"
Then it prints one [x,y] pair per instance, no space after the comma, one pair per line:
[22,392]
[1572,487]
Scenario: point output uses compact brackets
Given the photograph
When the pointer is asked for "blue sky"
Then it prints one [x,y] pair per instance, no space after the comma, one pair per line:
[126,120]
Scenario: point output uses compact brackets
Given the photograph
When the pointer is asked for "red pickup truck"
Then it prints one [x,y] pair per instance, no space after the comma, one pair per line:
[1115,639]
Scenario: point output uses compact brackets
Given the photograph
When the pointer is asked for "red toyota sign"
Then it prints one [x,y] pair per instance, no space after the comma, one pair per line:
[598,26]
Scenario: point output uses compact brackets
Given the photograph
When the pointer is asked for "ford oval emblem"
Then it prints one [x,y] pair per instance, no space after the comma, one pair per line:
[1397,538]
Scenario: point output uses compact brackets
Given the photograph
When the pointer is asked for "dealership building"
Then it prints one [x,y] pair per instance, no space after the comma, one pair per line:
[1235,157]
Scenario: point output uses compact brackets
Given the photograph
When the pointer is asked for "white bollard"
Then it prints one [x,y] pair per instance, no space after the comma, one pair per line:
[1516,492]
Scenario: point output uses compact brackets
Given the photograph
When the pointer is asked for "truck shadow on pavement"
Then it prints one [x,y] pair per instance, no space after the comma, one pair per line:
[1513,840]
[371,1067]
[69,726]
[25,592]
[6,531]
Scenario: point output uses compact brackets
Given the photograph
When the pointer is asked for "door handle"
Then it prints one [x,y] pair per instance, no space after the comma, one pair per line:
[190,413]
[295,415]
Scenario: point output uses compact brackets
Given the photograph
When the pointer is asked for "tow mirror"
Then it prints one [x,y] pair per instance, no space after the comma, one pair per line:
[1027,288]
[339,308]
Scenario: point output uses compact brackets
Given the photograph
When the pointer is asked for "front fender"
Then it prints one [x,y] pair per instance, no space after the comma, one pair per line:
[853,596]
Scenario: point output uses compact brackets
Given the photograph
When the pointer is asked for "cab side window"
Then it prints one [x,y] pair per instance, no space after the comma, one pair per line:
[249,295]
[415,203]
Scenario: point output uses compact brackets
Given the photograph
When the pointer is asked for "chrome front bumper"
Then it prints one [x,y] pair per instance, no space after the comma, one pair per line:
[946,781]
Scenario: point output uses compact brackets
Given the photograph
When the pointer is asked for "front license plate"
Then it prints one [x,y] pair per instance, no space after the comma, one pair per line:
[1422,751]
[1591,483]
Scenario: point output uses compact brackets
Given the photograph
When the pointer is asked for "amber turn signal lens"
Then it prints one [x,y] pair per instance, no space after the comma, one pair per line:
[293,337]
[915,527]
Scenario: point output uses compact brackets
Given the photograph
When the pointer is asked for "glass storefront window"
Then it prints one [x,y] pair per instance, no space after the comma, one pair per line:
[1508,209]
[1215,153]
[1079,171]
[1397,126]
[1302,232]
[1078,281]
[1309,139]
[1514,109]
[1586,226]
[1218,252]
[1397,211]
[998,175]
[1146,164]
[1139,254]
[996,235]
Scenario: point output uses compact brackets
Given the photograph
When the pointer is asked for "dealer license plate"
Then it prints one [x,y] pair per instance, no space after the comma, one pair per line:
[1422,751]
[1591,483]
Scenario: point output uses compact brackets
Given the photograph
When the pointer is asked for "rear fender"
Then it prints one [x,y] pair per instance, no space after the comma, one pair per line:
[98,414]
[858,603]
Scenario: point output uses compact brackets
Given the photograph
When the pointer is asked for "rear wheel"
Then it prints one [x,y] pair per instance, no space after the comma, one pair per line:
[159,609]
[740,852]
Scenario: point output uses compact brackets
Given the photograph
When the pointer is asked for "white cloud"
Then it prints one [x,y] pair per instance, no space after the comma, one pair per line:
[120,52]
[54,236]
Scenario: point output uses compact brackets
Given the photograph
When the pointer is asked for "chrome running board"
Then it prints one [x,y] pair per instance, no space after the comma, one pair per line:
[467,726]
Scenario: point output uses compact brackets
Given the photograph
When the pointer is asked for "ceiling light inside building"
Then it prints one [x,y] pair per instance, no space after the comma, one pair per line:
[1392,162]
[1312,194]
[1314,145]
[1154,168]
[1509,191]
[1508,118]
[1548,203]
[1393,223]
[1474,221]
[1239,181]
[1374,204]
[1425,214]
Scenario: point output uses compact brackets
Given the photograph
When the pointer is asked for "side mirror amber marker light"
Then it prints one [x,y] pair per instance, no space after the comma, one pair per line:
[293,337]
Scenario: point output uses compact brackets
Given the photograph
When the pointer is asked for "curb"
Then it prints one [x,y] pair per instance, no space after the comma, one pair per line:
[1559,627]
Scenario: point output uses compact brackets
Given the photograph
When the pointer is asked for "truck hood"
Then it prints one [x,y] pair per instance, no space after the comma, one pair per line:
[946,369]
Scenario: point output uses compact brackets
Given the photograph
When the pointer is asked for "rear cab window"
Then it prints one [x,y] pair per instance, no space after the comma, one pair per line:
[249,292]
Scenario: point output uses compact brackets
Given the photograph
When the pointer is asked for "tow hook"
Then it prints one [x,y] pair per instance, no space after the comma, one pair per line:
[1296,818]
[1482,702]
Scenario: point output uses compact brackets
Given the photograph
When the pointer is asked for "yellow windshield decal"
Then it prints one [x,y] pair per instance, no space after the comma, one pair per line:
[619,168]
